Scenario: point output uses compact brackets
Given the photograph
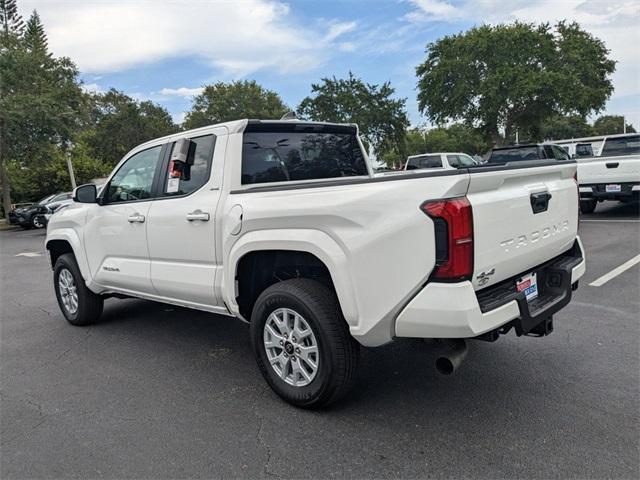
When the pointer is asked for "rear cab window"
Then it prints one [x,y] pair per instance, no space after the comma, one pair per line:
[616,147]
[515,154]
[297,152]
[424,161]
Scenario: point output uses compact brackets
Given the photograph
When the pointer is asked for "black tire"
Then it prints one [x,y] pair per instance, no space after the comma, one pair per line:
[89,305]
[38,221]
[588,206]
[338,351]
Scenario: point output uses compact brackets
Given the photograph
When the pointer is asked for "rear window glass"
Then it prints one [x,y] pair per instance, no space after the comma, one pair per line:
[615,147]
[425,161]
[517,154]
[274,156]
[584,150]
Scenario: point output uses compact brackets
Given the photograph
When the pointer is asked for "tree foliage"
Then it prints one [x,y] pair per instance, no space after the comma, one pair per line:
[40,96]
[222,102]
[381,118]
[610,125]
[454,138]
[118,123]
[507,77]
[10,21]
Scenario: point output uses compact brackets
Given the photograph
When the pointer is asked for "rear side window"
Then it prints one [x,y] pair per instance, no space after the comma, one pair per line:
[196,175]
[615,147]
[505,155]
[280,156]
[424,161]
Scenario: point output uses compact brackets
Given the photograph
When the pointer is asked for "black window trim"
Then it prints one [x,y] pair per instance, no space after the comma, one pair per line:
[102,200]
[162,180]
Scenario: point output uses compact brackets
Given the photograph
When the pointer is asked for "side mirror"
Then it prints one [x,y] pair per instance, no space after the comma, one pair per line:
[85,193]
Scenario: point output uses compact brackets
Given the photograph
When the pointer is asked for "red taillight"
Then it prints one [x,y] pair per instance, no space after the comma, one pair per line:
[453,221]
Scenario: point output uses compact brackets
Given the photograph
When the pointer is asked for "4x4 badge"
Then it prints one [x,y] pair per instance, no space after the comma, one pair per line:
[483,277]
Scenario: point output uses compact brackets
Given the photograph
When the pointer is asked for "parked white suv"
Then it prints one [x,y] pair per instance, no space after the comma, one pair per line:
[284,225]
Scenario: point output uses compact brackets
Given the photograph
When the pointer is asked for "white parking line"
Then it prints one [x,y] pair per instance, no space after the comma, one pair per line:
[611,221]
[615,272]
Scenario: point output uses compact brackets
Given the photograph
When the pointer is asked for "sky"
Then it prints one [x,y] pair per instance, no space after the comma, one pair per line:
[166,50]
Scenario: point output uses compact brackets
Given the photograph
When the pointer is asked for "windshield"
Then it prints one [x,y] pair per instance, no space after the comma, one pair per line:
[615,147]
[44,200]
[275,156]
[515,154]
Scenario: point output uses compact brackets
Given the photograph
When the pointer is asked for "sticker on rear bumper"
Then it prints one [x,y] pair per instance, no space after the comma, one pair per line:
[529,284]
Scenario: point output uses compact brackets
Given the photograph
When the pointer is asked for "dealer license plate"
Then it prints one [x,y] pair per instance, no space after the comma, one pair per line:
[529,284]
[612,188]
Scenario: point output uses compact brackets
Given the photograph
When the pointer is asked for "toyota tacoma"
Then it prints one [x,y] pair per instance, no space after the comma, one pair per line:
[284,225]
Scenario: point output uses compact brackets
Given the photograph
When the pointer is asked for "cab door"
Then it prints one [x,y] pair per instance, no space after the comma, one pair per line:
[181,226]
[115,235]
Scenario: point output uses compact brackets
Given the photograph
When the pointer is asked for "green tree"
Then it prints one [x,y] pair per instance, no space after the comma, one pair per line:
[10,21]
[455,138]
[35,38]
[222,102]
[610,125]
[40,96]
[560,127]
[119,123]
[511,77]
[382,119]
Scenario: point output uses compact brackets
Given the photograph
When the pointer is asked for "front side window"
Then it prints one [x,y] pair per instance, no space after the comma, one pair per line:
[197,170]
[460,161]
[615,147]
[280,156]
[424,161]
[134,180]
[559,153]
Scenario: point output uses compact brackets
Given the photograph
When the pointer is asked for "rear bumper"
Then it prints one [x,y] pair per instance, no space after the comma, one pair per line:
[598,191]
[455,310]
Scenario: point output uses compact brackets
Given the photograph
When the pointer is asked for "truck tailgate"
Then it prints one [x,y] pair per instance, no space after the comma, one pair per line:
[605,170]
[509,238]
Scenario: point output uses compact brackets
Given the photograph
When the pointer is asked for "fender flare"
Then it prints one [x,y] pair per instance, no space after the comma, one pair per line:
[315,242]
[70,236]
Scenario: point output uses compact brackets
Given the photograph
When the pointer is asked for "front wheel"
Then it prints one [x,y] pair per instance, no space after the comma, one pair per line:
[79,305]
[302,343]
[38,221]
[588,206]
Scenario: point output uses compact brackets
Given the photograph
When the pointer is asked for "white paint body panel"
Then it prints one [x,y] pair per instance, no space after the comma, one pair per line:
[594,170]
[377,244]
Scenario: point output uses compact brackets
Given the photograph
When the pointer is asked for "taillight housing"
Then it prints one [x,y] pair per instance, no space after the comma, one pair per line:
[453,226]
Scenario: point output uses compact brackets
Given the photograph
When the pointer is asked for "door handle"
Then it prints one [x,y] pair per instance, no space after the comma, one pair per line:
[198,215]
[136,218]
[613,165]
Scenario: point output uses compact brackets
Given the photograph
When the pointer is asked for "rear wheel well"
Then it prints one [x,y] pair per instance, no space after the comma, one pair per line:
[256,271]
[57,248]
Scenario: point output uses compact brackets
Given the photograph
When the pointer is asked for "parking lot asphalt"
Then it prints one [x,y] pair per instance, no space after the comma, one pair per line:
[154,391]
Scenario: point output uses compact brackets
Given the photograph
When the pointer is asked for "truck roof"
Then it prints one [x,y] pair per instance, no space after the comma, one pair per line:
[238,126]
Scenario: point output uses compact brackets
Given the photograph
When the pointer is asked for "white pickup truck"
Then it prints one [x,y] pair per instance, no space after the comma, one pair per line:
[439,160]
[283,224]
[613,175]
